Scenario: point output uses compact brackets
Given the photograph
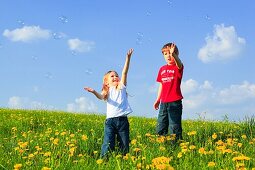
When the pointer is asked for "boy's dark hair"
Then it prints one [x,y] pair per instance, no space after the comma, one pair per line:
[176,51]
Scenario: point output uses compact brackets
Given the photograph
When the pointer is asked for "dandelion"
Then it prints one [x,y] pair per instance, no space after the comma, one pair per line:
[47,154]
[55,141]
[137,149]
[99,161]
[133,142]
[192,133]
[192,147]
[214,136]
[84,137]
[211,164]
[17,166]
[179,155]
[72,135]
[244,136]
[202,151]
[46,168]
[31,155]
[239,145]
[162,148]
[241,158]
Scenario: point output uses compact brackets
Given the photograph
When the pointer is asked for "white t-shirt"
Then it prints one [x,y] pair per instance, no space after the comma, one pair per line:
[117,103]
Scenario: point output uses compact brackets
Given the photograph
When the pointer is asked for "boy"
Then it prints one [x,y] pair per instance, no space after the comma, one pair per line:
[169,93]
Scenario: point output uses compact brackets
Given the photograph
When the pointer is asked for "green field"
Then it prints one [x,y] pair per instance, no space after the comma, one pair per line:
[59,140]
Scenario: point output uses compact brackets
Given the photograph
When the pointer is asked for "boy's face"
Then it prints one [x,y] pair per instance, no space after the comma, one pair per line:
[168,57]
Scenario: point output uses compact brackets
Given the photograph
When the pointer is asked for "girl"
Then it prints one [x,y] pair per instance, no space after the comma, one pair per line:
[116,123]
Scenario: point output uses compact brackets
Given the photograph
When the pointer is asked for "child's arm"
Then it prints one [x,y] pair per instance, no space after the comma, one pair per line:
[126,67]
[157,102]
[98,95]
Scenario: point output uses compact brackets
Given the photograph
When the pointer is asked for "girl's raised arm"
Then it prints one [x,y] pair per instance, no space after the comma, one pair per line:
[98,95]
[126,67]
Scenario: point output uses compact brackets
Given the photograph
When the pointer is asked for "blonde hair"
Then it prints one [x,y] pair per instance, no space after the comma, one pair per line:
[105,87]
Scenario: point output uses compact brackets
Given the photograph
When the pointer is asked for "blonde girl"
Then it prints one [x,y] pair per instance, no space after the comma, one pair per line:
[116,123]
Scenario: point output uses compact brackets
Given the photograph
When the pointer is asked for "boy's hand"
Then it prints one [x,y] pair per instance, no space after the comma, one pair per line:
[89,89]
[156,105]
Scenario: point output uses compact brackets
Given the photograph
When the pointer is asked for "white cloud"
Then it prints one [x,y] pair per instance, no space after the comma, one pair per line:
[202,98]
[82,104]
[17,102]
[27,34]
[223,45]
[80,46]
[237,93]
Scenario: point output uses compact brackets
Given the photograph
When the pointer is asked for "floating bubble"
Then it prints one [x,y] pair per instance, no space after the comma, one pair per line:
[88,71]
[170,2]
[35,88]
[148,13]
[74,52]
[207,17]
[58,35]
[63,19]
[48,75]
[21,22]
[34,57]
[139,38]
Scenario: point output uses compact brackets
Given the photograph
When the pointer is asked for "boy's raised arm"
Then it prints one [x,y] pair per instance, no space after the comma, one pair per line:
[126,67]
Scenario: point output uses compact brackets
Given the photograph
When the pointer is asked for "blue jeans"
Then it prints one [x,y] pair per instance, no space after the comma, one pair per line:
[116,127]
[170,117]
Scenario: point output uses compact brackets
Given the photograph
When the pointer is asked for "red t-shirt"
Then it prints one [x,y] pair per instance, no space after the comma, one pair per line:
[170,77]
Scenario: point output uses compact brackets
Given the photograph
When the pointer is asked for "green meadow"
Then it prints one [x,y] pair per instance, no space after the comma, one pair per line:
[39,139]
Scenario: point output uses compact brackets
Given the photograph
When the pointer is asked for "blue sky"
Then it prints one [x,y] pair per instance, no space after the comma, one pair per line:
[50,50]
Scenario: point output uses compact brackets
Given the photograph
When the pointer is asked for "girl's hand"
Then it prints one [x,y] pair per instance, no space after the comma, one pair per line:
[89,89]
[130,51]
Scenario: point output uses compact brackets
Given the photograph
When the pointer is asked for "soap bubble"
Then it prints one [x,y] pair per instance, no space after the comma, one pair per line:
[63,19]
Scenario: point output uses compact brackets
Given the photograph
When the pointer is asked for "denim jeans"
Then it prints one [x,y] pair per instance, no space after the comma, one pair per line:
[170,117]
[116,127]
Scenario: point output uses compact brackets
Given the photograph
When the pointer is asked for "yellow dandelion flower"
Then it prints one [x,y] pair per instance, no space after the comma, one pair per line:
[47,154]
[133,142]
[162,148]
[63,133]
[211,164]
[126,157]
[95,152]
[46,168]
[202,150]
[192,147]
[239,145]
[214,136]
[147,134]
[55,141]
[241,158]
[72,135]
[139,166]
[179,155]
[192,133]
[84,137]
[100,161]
[137,149]
[17,166]
[14,129]
[31,155]
[244,136]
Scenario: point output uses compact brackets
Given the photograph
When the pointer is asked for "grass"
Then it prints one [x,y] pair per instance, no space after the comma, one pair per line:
[39,139]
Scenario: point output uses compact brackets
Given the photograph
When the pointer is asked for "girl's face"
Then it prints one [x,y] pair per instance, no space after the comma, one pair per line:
[168,57]
[113,79]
